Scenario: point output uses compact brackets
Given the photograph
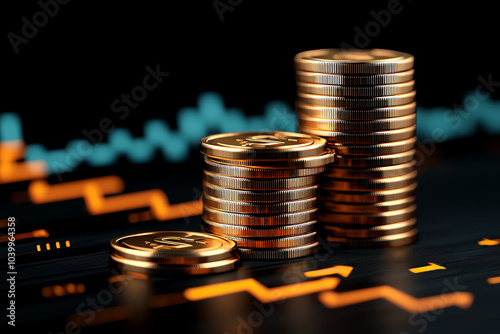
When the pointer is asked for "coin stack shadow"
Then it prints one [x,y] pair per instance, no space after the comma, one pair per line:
[268,207]
[363,103]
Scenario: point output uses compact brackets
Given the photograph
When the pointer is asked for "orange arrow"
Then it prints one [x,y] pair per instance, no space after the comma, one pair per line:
[411,304]
[488,242]
[430,267]
[493,280]
[343,271]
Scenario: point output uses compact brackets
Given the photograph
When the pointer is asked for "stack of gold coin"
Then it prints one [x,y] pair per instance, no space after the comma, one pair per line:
[174,252]
[363,103]
[259,189]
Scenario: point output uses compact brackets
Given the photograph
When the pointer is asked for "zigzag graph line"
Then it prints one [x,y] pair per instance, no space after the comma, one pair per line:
[210,116]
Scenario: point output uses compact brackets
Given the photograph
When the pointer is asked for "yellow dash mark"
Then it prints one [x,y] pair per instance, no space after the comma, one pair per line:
[58,245]
[47,245]
[67,243]
[38,248]
[430,267]
[341,270]
[488,242]
[494,280]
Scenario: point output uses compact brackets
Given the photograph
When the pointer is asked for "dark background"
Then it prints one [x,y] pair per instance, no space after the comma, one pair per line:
[64,79]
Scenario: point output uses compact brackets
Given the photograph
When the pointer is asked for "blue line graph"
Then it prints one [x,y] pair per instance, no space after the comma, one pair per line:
[211,116]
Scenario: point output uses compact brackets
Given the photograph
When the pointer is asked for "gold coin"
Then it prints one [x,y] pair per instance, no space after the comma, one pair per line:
[356,91]
[259,196]
[375,161]
[248,172]
[173,247]
[378,218]
[368,208]
[259,231]
[367,196]
[259,220]
[365,137]
[354,80]
[376,149]
[310,162]
[355,114]
[273,145]
[283,242]
[392,240]
[168,269]
[259,184]
[278,253]
[385,124]
[268,208]
[353,61]
[369,185]
[357,103]
[371,173]
[348,231]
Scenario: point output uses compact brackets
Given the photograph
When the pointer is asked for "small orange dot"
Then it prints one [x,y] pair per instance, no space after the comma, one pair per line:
[80,288]
[46,292]
[58,290]
[70,287]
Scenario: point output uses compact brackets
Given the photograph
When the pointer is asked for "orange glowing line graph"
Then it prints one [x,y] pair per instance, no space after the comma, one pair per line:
[12,170]
[94,190]
[33,234]
[340,270]
[423,269]
[489,242]
[408,303]
[494,280]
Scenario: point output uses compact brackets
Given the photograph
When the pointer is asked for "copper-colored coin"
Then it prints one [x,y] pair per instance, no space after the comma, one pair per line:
[254,196]
[308,162]
[392,240]
[259,184]
[356,91]
[363,138]
[260,220]
[166,269]
[370,173]
[349,231]
[262,145]
[266,208]
[353,61]
[354,80]
[367,196]
[259,231]
[369,185]
[385,124]
[355,114]
[375,161]
[379,218]
[357,103]
[278,253]
[248,172]
[173,247]
[375,149]
[283,242]
[368,208]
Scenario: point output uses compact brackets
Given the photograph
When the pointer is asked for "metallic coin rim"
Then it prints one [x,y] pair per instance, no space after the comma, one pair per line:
[354,80]
[356,91]
[256,153]
[379,218]
[375,137]
[309,61]
[367,196]
[386,183]
[371,172]
[377,149]
[388,240]
[376,160]
[334,125]
[283,242]
[259,208]
[179,256]
[259,220]
[368,208]
[259,196]
[349,231]
[357,103]
[248,172]
[279,253]
[355,114]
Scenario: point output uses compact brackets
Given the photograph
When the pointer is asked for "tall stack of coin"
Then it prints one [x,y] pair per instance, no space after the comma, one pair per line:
[363,103]
[174,252]
[259,189]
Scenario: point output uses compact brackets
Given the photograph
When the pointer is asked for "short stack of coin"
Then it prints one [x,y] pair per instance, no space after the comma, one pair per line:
[363,103]
[173,253]
[259,189]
